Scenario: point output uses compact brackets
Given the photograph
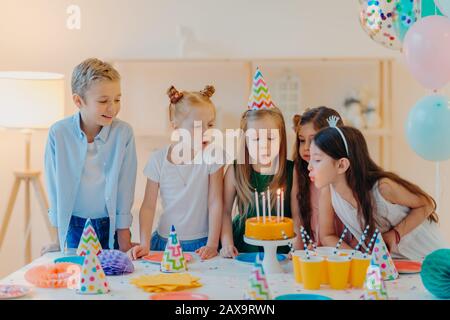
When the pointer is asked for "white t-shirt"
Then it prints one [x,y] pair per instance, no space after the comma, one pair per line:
[90,201]
[184,195]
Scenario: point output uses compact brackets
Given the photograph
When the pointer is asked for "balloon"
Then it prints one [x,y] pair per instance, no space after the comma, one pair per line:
[387,21]
[444,6]
[428,128]
[427,51]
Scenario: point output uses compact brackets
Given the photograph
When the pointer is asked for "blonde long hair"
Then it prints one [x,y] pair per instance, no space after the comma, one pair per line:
[243,186]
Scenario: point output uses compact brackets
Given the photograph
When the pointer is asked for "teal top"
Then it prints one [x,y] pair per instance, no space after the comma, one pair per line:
[261,182]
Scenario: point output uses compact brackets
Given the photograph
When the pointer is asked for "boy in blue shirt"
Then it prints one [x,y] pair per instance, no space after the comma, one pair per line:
[90,163]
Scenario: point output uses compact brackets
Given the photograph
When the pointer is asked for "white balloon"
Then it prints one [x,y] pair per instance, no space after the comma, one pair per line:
[444,6]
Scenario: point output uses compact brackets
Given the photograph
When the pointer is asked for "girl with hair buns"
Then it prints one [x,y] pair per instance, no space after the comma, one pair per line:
[190,188]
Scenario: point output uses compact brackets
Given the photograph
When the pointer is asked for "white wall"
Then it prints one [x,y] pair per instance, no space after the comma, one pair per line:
[33,37]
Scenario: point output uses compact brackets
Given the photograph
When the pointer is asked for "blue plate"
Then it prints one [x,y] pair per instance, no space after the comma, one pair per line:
[251,257]
[302,296]
[72,259]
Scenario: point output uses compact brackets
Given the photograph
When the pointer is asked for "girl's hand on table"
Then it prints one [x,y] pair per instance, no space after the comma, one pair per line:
[229,251]
[138,251]
[206,252]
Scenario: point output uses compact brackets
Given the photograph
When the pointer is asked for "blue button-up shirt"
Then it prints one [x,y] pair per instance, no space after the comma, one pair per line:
[65,156]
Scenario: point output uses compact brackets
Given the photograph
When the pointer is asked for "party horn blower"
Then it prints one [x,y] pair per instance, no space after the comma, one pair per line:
[339,243]
[360,241]
[371,242]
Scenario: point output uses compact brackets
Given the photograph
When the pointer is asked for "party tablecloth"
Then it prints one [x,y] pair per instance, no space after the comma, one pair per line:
[221,279]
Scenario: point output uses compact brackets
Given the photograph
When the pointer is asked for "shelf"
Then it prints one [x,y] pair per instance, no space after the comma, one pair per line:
[381,132]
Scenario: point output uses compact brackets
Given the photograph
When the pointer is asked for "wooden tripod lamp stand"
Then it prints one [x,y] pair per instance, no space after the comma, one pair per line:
[29,101]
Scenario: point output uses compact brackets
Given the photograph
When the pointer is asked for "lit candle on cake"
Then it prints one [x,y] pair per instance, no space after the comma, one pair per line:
[269,207]
[278,204]
[257,205]
[282,204]
[264,207]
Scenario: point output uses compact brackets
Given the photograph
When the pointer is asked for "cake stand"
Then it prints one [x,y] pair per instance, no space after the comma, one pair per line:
[270,262]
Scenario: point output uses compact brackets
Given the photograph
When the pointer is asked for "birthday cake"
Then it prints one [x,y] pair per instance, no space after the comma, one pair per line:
[270,229]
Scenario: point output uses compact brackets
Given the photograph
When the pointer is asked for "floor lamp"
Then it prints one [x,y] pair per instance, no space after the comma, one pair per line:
[29,101]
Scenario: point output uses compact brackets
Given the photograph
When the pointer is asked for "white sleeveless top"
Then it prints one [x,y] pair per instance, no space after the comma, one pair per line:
[414,246]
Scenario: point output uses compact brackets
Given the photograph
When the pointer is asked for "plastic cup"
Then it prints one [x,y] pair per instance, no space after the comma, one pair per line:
[358,269]
[296,266]
[311,270]
[338,272]
[325,251]
[296,263]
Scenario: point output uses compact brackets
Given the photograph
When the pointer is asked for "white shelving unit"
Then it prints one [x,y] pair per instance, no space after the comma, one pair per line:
[322,81]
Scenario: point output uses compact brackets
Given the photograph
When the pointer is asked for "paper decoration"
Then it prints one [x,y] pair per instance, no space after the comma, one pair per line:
[374,286]
[173,259]
[258,288]
[260,97]
[382,258]
[166,282]
[89,240]
[92,278]
[115,262]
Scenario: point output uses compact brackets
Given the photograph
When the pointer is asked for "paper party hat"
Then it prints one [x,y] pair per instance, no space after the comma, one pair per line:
[260,97]
[374,287]
[382,258]
[89,240]
[173,259]
[92,278]
[258,288]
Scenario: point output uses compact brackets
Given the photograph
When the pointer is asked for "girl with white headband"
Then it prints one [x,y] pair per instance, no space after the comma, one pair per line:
[361,193]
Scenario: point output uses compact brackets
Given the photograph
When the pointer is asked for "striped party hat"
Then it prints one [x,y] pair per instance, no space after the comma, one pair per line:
[89,240]
[173,259]
[260,97]
[257,288]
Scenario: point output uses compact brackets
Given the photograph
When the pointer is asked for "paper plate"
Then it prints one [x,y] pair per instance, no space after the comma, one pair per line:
[251,257]
[158,256]
[13,291]
[406,266]
[302,296]
[180,295]
[72,259]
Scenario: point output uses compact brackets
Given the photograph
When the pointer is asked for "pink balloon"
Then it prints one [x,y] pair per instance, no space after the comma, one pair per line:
[427,51]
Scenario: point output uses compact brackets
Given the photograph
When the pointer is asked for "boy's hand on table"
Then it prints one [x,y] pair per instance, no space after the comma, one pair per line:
[52,247]
[138,251]
[207,252]
[229,251]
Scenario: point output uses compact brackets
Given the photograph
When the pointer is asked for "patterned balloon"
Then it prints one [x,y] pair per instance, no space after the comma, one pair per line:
[387,21]
[115,262]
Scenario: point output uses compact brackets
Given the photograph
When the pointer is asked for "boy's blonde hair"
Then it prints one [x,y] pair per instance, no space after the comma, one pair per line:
[90,71]
[182,101]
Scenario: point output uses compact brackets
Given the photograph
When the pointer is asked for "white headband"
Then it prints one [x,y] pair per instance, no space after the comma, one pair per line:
[332,122]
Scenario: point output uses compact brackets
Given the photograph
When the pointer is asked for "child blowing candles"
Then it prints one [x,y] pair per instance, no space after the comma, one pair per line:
[361,193]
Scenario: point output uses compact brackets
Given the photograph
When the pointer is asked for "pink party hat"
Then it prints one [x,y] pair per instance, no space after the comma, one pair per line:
[258,288]
[374,286]
[260,97]
[382,258]
[89,240]
[92,278]
[173,259]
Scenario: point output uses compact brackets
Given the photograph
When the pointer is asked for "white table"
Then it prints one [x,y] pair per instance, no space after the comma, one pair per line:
[222,279]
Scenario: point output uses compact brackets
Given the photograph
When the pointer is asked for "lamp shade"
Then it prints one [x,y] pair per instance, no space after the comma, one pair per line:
[31,100]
